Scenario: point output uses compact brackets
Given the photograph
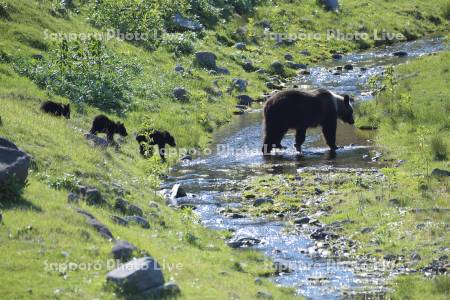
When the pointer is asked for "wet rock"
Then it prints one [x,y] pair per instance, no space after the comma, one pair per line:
[96,141]
[100,227]
[240,46]
[235,215]
[400,54]
[177,192]
[94,197]
[337,56]
[138,220]
[186,24]
[180,93]
[390,257]
[179,69]
[281,267]
[73,198]
[264,295]
[186,158]
[262,201]
[243,241]
[239,84]
[288,56]
[206,60]
[14,163]
[123,250]
[321,234]
[137,276]
[222,70]
[440,173]
[119,220]
[302,220]
[273,86]
[304,72]
[244,100]
[348,67]
[277,68]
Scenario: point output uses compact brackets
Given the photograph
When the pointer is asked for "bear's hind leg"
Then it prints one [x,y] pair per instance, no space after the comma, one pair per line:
[329,132]
[300,136]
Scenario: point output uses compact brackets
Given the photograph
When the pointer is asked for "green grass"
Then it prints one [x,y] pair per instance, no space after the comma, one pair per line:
[41,226]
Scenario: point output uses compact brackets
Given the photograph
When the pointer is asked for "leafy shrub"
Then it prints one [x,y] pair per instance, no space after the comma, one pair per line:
[446,10]
[86,72]
[179,43]
[439,148]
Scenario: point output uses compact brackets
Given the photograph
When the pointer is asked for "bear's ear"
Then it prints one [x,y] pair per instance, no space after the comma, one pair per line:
[347,100]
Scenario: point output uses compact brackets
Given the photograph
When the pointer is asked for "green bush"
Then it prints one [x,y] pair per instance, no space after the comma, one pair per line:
[446,10]
[439,148]
[179,43]
[86,72]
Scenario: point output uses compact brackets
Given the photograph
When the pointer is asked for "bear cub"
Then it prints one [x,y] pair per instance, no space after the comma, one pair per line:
[155,137]
[300,110]
[56,109]
[102,124]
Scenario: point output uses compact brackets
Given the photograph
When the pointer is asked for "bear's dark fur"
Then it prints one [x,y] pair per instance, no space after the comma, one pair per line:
[57,109]
[300,110]
[155,137]
[103,124]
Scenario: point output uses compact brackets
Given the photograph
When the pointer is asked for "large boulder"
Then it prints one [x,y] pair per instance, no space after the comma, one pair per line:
[206,60]
[239,84]
[14,163]
[186,24]
[137,276]
[332,5]
[100,227]
[123,250]
[277,68]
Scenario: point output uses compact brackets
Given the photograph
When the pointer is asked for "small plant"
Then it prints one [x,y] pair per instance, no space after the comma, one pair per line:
[67,182]
[442,284]
[446,10]
[179,43]
[439,148]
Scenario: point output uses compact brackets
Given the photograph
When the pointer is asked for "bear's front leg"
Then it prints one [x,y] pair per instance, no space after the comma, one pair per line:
[162,151]
[329,132]
[300,136]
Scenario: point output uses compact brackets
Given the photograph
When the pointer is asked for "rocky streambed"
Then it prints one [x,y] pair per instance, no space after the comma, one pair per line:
[273,203]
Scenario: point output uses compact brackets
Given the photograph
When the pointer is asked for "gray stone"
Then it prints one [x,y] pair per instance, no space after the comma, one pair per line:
[14,163]
[240,46]
[186,158]
[281,267]
[244,100]
[296,66]
[96,141]
[100,227]
[119,220]
[266,24]
[240,84]
[395,202]
[302,220]
[264,295]
[123,250]
[366,230]
[332,5]
[277,68]
[261,71]
[94,197]
[37,56]
[73,198]
[440,173]
[305,53]
[137,276]
[262,201]
[206,60]
[133,209]
[179,69]
[170,289]
[288,56]
[273,86]
[415,256]
[337,56]
[348,67]
[180,93]
[241,240]
[222,70]
[304,72]
[186,24]
[258,281]
[138,220]
[248,66]
[177,192]
[121,205]
[321,234]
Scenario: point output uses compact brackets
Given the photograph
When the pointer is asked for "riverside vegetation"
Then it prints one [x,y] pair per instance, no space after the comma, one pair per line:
[135,80]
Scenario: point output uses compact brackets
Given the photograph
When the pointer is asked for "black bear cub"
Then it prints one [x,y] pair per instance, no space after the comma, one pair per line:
[57,109]
[300,110]
[102,124]
[155,137]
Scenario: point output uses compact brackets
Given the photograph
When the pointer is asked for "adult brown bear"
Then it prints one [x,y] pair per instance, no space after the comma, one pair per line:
[300,110]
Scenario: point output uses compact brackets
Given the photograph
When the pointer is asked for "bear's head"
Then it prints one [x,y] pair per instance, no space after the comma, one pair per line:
[170,140]
[66,111]
[346,113]
[120,129]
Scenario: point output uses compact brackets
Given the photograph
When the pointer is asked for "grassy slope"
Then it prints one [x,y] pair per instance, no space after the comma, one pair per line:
[58,148]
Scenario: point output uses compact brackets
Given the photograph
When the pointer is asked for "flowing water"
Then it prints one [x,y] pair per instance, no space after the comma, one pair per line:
[236,157]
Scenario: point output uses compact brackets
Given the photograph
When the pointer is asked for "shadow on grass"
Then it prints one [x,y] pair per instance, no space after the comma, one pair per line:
[11,197]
